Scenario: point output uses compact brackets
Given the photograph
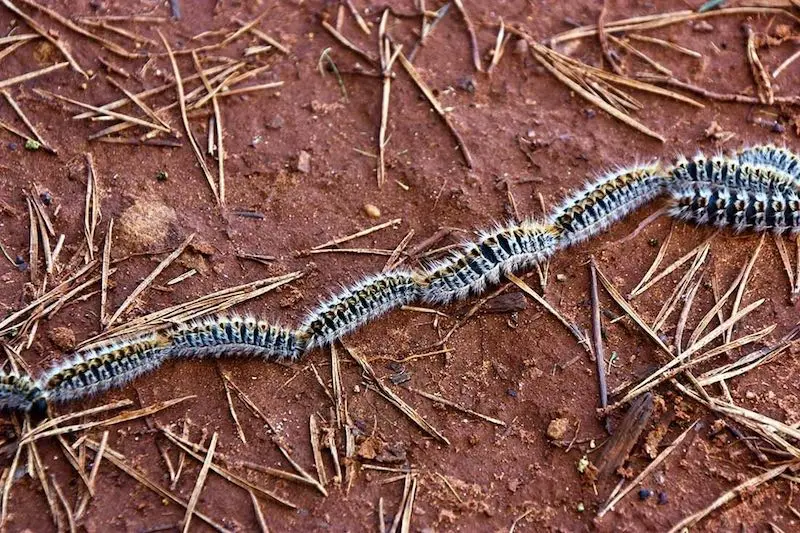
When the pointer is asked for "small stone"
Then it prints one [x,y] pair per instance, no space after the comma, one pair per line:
[372,211]
[561,277]
[583,464]
[63,338]
[32,145]
[702,26]
[557,428]
[46,198]
[521,47]
[276,123]
[645,494]
[662,498]
[750,395]
[162,175]
[580,508]
[304,162]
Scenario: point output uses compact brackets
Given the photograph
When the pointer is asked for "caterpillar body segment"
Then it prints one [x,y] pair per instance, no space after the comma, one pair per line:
[99,369]
[739,210]
[476,265]
[234,335]
[605,201]
[772,156]
[356,305]
[21,393]
[746,174]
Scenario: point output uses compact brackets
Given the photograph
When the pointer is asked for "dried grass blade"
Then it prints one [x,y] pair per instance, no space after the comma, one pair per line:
[739,490]
[395,400]
[454,405]
[743,284]
[198,487]
[118,460]
[149,279]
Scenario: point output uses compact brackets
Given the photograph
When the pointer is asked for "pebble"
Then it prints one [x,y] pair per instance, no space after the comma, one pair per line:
[372,211]
[557,428]
[304,162]
[645,494]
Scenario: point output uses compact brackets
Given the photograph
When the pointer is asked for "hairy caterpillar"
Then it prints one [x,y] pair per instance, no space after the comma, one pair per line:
[605,201]
[732,173]
[505,249]
[758,189]
[741,210]
[20,393]
[769,155]
[102,368]
[357,305]
[247,336]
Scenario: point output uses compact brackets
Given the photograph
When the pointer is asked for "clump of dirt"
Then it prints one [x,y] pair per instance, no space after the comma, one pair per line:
[145,225]
[63,338]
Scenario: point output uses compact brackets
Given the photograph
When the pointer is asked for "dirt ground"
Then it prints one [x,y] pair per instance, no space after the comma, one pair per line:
[528,134]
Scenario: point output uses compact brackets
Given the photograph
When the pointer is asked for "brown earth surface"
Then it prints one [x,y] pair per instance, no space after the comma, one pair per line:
[523,368]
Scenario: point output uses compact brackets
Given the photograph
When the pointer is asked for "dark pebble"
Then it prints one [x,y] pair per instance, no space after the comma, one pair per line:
[512,393]
[662,498]
[645,494]
[46,198]
[13,146]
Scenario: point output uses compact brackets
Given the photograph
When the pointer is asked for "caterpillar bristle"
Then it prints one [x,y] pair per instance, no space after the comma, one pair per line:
[21,393]
[506,249]
[606,200]
[733,173]
[768,155]
[736,209]
[352,307]
[101,368]
[222,335]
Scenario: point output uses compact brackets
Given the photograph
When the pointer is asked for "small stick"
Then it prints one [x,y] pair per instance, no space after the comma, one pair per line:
[427,28]
[358,234]
[347,43]
[201,479]
[228,397]
[149,279]
[760,76]
[33,243]
[104,276]
[665,44]
[618,447]
[27,122]
[218,127]
[336,385]
[356,15]
[739,490]
[264,37]
[30,75]
[423,87]
[603,38]
[182,103]
[783,66]
[743,284]
[98,458]
[64,503]
[597,335]
[251,88]
[499,46]
[262,523]
[473,39]
[316,435]
[438,399]
[394,260]
[572,328]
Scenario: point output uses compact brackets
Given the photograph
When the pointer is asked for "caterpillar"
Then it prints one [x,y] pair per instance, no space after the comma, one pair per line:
[105,367]
[247,336]
[357,305]
[772,156]
[505,249]
[757,188]
[21,393]
[740,210]
[605,201]
[732,173]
